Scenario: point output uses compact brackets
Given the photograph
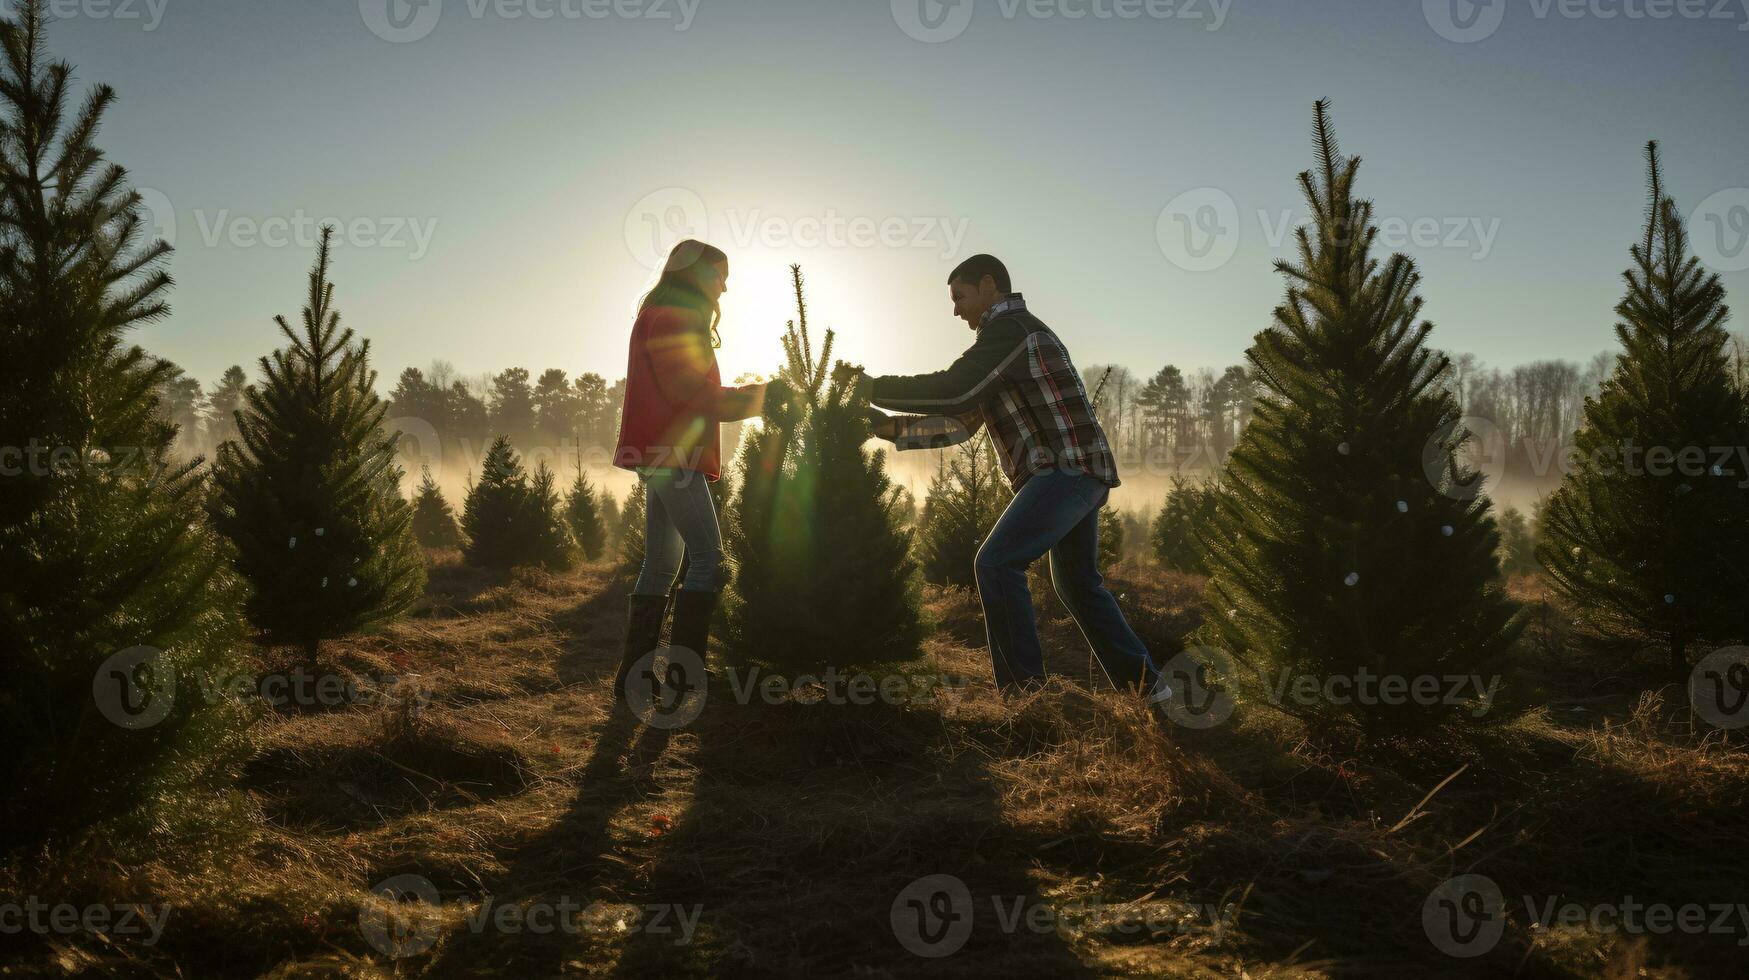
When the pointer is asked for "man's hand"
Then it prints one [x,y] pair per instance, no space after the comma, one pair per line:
[883,426]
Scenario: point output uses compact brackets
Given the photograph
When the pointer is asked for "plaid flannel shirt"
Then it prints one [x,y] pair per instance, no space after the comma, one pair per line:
[1017,379]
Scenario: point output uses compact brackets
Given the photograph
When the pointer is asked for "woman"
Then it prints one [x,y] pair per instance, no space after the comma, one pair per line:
[674,400]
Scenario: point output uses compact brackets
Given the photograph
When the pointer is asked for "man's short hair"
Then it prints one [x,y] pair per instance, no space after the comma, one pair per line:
[973,270]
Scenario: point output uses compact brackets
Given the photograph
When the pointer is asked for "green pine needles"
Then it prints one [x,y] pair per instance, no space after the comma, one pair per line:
[512,520]
[1336,553]
[433,518]
[1648,535]
[310,494]
[116,603]
[815,531]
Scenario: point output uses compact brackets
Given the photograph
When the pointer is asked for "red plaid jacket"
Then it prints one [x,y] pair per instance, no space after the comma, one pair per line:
[1018,380]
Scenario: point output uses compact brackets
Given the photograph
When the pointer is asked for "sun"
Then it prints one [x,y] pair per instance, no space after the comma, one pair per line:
[761,300]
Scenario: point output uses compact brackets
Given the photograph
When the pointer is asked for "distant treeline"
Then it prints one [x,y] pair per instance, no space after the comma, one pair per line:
[1176,420]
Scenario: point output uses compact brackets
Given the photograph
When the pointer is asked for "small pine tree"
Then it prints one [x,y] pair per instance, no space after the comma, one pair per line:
[1188,507]
[823,571]
[111,582]
[610,521]
[1111,537]
[1333,552]
[510,521]
[631,530]
[550,541]
[310,494]
[1517,544]
[964,500]
[433,518]
[583,517]
[1642,548]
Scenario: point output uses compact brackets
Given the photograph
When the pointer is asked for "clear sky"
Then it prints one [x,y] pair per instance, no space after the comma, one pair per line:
[502,169]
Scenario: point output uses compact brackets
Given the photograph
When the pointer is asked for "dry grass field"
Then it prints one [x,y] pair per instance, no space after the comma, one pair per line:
[548,837]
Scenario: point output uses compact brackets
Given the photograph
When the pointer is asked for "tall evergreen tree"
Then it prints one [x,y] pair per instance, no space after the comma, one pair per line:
[222,404]
[964,500]
[1647,534]
[433,519]
[510,520]
[583,516]
[310,494]
[823,571]
[1336,548]
[115,599]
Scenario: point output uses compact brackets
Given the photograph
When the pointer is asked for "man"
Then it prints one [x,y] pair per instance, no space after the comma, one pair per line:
[1018,381]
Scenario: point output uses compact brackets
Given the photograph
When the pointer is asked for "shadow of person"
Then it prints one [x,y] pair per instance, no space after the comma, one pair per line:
[835,838]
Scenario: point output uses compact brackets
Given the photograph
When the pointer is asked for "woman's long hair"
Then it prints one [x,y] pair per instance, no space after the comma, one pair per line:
[679,283]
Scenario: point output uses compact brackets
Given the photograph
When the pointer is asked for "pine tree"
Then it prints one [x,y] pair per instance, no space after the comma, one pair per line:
[583,516]
[631,531]
[111,583]
[1334,548]
[310,493]
[510,520]
[551,538]
[610,520]
[433,518]
[964,500]
[1173,535]
[1646,536]
[823,572]
[1110,537]
[1517,544]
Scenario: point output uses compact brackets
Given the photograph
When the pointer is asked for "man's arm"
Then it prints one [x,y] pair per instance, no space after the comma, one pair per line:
[958,389]
[926,431]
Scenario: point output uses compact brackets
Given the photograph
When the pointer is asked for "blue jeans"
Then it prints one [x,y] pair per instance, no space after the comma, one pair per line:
[1055,511]
[680,519]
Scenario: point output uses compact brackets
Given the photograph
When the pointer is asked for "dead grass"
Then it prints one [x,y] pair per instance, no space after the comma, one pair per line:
[1247,850]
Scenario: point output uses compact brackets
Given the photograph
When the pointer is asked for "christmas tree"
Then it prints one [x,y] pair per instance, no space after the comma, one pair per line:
[1111,537]
[1338,549]
[1188,507]
[116,602]
[631,531]
[550,536]
[509,520]
[1647,534]
[583,517]
[823,573]
[433,519]
[309,495]
[964,500]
